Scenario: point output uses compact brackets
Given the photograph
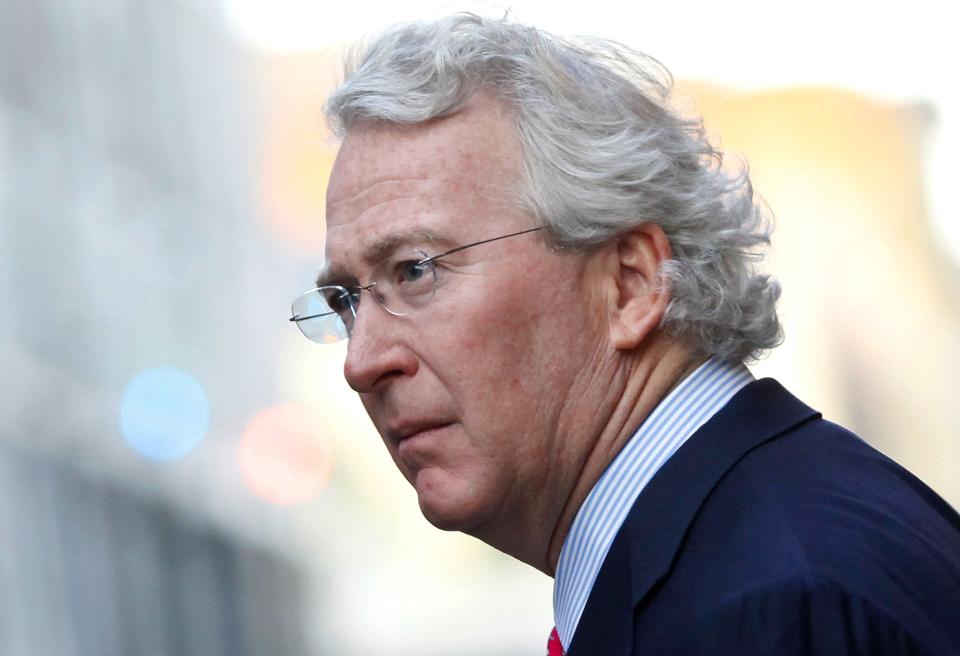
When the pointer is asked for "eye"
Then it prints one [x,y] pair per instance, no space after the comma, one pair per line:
[412,278]
[338,299]
[412,271]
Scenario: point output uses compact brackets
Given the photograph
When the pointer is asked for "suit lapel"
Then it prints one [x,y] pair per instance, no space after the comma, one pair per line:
[647,543]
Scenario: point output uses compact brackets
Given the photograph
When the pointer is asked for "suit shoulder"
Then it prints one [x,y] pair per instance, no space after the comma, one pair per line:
[832,491]
[820,505]
[803,615]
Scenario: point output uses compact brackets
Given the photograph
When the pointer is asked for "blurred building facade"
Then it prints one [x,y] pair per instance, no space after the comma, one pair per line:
[126,166]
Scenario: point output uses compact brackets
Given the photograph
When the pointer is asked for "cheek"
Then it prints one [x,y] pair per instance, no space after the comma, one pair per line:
[500,328]
[475,331]
[502,340]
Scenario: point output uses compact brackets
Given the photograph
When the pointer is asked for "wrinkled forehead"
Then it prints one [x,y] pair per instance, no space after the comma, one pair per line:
[474,145]
[376,162]
[443,177]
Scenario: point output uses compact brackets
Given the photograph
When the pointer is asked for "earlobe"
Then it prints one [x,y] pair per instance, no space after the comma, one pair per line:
[640,292]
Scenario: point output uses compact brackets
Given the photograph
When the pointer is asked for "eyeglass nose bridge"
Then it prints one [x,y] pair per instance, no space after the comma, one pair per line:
[356,293]
[372,291]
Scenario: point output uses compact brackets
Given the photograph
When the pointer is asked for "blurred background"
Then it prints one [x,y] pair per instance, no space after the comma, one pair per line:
[181,473]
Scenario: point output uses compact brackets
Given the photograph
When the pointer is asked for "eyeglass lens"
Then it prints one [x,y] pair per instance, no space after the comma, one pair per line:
[324,315]
[401,283]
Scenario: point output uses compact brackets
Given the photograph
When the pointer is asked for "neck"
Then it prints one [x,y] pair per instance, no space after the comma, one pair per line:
[647,376]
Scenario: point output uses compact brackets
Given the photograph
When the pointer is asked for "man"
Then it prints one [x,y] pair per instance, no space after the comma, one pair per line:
[547,287]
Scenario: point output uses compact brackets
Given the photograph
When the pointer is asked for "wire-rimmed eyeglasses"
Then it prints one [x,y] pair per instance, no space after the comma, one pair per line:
[405,281]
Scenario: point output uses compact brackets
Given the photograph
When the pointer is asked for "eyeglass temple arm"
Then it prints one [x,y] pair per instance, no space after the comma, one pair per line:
[310,316]
[357,289]
[430,259]
[477,243]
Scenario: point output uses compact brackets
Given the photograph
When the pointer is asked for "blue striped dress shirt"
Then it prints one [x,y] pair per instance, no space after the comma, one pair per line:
[685,409]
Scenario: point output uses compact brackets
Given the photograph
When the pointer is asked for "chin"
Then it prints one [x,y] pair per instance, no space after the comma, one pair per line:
[448,505]
[443,520]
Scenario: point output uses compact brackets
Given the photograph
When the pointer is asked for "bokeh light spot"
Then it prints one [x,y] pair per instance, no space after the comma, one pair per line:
[164,413]
[284,456]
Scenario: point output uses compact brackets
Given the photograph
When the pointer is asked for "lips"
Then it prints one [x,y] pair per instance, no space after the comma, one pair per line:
[402,431]
[419,444]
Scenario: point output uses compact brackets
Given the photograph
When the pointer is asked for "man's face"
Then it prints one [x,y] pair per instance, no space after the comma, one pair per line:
[473,392]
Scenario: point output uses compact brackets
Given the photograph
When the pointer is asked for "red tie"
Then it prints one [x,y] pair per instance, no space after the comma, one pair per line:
[554,648]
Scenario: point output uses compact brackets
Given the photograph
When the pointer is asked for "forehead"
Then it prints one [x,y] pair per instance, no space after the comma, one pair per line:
[446,177]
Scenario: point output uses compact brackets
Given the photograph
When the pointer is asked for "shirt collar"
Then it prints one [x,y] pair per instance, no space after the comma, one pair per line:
[678,416]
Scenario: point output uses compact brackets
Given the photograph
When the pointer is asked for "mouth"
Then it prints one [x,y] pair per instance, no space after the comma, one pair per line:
[419,444]
[412,430]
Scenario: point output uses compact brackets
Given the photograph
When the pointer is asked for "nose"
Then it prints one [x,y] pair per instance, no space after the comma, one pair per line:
[377,351]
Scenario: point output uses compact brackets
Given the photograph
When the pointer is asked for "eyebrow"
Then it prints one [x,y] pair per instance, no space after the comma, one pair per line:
[331,274]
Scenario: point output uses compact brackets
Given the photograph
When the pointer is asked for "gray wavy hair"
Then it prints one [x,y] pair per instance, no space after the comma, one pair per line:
[603,154]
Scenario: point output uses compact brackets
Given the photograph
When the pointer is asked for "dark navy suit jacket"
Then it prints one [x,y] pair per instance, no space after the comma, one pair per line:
[772,531]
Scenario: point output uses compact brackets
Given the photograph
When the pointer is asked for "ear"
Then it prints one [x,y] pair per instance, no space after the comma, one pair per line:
[640,294]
